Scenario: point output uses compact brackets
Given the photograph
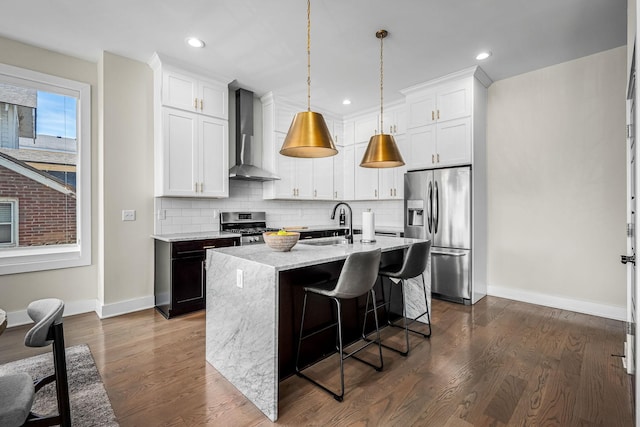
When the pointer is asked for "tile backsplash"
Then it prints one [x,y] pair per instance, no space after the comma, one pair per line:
[186,215]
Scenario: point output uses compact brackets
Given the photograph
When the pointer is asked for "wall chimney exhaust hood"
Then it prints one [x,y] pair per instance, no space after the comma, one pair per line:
[243,169]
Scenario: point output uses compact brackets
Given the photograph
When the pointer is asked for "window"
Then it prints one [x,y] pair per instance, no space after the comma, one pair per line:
[8,221]
[45,171]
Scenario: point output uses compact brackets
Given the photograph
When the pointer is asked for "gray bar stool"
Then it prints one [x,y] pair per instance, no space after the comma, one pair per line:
[413,265]
[358,276]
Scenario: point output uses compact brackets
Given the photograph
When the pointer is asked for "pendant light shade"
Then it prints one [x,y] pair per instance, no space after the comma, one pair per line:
[382,151]
[308,135]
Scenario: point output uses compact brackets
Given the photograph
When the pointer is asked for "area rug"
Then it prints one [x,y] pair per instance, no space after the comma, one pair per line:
[90,404]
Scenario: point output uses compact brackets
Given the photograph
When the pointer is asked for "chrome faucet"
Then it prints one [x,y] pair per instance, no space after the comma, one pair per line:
[349,236]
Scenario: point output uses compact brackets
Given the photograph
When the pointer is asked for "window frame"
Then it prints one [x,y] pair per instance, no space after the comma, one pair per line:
[14,221]
[27,259]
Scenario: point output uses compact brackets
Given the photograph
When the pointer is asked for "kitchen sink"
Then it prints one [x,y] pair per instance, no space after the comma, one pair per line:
[323,242]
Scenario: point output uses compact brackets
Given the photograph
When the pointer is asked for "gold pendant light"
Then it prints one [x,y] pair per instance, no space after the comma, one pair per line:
[382,151]
[308,135]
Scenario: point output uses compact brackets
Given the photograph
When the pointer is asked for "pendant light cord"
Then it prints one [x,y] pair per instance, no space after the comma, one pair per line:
[308,55]
[381,79]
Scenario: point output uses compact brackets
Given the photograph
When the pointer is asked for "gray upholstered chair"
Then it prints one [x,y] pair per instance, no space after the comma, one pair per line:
[413,265]
[17,391]
[358,276]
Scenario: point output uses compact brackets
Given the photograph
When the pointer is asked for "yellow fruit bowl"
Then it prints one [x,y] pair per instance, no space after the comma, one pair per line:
[281,241]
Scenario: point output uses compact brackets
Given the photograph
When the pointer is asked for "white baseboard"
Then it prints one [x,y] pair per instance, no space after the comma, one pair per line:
[17,318]
[587,307]
[123,307]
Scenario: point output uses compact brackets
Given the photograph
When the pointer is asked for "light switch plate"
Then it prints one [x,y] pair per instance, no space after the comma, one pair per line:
[128,215]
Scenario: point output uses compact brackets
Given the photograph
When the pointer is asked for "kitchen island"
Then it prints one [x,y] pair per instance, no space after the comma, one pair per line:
[253,295]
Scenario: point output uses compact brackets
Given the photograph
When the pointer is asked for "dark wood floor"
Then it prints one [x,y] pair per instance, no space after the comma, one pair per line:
[498,363]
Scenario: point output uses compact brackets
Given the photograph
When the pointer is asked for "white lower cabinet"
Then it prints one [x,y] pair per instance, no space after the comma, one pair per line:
[194,155]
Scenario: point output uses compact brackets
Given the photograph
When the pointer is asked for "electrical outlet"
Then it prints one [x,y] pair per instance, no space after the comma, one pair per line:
[162,214]
[239,279]
[128,215]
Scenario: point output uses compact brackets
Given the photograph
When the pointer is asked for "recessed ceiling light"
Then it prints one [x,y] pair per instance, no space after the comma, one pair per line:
[346,102]
[194,42]
[483,55]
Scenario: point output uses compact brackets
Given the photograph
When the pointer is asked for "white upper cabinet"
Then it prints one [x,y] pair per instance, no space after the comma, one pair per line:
[440,123]
[349,137]
[365,127]
[300,178]
[284,115]
[441,103]
[365,179]
[379,184]
[395,120]
[190,93]
[191,134]
[195,155]
[343,173]
[323,178]
[446,120]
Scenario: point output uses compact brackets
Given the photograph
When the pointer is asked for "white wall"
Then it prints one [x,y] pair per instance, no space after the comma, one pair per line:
[556,185]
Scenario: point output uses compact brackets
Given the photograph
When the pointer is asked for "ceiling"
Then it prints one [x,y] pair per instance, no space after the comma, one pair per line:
[261,45]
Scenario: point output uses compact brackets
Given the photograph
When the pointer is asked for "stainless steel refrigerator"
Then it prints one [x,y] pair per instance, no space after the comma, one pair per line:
[437,206]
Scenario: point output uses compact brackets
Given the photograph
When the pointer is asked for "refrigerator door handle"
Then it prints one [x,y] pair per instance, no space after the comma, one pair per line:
[436,220]
[430,207]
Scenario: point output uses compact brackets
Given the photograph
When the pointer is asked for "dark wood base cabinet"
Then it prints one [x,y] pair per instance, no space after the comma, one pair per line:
[180,277]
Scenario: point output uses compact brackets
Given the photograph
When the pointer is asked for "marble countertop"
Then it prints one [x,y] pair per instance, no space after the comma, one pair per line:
[302,255]
[204,235]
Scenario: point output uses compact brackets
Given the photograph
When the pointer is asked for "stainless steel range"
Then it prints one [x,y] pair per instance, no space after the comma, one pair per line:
[250,225]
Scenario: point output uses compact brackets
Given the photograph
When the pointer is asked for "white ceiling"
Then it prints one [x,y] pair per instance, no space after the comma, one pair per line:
[262,43]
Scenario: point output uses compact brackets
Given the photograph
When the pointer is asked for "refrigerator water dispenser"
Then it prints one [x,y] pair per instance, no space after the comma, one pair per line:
[415,213]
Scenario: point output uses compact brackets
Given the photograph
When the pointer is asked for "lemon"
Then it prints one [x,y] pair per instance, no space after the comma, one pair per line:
[282,232]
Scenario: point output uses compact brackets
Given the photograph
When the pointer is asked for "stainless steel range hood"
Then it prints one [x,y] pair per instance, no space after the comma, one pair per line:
[244,137]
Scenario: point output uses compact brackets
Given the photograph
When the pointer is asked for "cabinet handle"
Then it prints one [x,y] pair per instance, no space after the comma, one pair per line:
[395,128]
[195,103]
[201,105]
[433,158]
[391,129]
[294,192]
[195,187]
[315,193]
[394,193]
[438,157]
[433,115]
[202,187]
[375,192]
[391,192]
[335,194]
[209,247]
[438,117]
